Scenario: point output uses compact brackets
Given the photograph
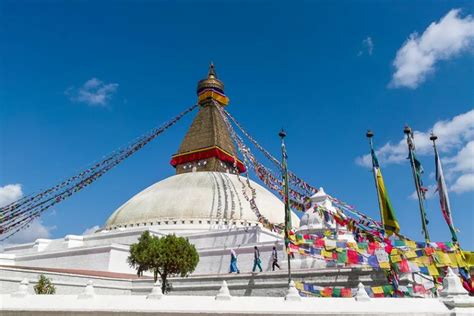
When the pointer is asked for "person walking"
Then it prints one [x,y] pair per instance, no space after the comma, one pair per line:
[233,262]
[256,259]
[275,259]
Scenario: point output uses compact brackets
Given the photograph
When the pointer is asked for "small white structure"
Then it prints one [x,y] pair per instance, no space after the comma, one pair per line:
[224,293]
[292,294]
[314,222]
[361,295]
[156,292]
[89,291]
[22,289]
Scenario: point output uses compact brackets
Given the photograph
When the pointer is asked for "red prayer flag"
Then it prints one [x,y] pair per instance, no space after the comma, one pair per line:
[352,256]
[327,292]
[429,251]
[345,292]
[403,266]
[319,243]
[372,247]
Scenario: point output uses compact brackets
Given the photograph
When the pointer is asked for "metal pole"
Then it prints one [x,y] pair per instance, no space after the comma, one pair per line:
[369,135]
[408,132]
[282,135]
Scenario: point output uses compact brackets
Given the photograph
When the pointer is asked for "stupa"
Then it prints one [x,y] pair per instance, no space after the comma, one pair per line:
[206,201]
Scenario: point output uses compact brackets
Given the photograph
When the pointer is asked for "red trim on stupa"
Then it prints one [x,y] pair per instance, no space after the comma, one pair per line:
[205,154]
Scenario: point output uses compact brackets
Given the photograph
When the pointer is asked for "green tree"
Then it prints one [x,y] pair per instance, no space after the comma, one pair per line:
[44,286]
[166,256]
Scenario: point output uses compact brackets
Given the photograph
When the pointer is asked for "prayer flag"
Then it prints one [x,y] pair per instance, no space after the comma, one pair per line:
[388,214]
[326,254]
[378,291]
[342,257]
[330,244]
[403,266]
[373,261]
[410,243]
[352,256]
[443,196]
[387,290]
[432,270]
[384,265]
[345,292]
[326,292]
[396,258]
[382,256]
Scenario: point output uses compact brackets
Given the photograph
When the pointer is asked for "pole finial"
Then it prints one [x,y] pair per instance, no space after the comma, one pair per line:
[212,71]
[282,133]
[369,134]
[433,137]
[407,130]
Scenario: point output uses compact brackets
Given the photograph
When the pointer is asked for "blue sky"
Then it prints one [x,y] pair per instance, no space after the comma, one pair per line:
[80,79]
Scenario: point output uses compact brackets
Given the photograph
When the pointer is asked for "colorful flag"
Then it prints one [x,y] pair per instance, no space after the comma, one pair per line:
[443,196]
[388,214]
[417,172]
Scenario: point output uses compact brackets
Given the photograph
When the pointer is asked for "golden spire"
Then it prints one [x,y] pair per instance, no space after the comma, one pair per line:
[211,82]
[208,145]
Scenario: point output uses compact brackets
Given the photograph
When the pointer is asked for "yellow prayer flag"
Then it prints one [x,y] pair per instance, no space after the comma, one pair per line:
[410,254]
[377,289]
[442,258]
[410,244]
[299,285]
[460,260]
[351,244]
[326,254]
[452,258]
[432,270]
[388,214]
[426,261]
[396,258]
[384,265]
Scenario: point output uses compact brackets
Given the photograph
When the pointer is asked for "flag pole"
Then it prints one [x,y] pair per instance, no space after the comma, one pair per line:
[369,135]
[394,276]
[284,165]
[411,146]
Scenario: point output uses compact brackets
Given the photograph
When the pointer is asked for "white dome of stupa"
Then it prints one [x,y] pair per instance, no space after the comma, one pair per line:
[199,198]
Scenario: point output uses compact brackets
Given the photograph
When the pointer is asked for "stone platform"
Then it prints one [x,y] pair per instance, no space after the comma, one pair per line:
[244,284]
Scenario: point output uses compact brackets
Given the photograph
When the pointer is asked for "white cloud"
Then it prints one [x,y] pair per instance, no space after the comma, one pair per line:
[464,183]
[34,231]
[442,40]
[368,46]
[10,193]
[455,141]
[91,230]
[464,160]
[93,92]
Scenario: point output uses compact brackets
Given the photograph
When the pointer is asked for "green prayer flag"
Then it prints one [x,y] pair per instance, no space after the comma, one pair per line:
[342,256]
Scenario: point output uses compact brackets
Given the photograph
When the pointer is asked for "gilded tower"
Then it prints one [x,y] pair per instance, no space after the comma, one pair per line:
[207,145]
